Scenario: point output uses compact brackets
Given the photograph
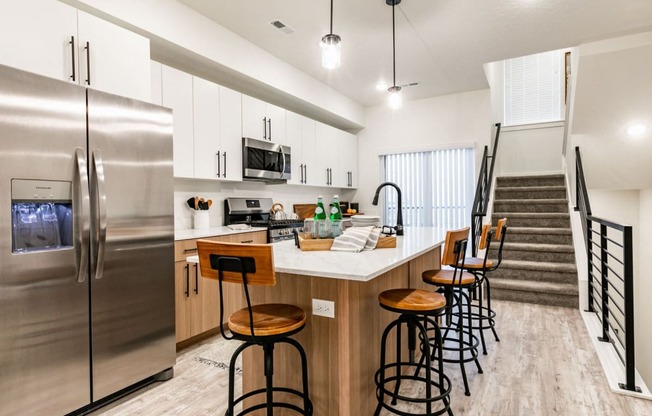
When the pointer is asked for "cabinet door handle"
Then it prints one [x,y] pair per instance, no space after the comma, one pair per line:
[246,241]
[196,280]
[189,250]
[217,157]
[88,63]
[265,128]
[301,172]
[270,128]
[72,52]
[187,291]
[305,173]
[224,174]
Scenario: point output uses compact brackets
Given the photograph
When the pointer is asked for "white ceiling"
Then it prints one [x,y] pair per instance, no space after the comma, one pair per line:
[442,44]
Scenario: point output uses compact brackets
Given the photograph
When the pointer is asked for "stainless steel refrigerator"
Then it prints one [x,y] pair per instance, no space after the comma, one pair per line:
[86,245]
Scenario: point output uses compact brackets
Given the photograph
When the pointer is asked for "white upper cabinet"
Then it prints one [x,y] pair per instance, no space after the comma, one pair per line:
[301,138]
[326,167]
[231,134]
[177,95]
[113,59]
[348,160]
[206,122]
[49,38]
[263,121]
[217,131]
[37,36]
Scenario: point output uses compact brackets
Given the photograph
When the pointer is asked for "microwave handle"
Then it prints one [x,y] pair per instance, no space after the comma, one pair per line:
[283,156]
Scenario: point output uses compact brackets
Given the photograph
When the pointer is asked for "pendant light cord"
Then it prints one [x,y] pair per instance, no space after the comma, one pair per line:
[394,42]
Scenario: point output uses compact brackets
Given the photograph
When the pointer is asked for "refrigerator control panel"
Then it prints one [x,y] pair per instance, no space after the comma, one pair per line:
[28,190]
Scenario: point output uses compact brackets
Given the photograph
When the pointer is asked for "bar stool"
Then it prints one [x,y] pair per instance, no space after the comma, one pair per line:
[455,283]
[484,317]
[263,325]
[414,306]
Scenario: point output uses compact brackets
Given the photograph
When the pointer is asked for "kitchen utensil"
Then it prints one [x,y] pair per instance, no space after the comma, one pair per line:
[191,202]
[210,202]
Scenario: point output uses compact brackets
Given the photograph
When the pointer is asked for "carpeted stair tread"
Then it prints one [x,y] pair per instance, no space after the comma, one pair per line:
[530,215]
[540,230]
[532,201]
[548,248]
[538,266]
[530,192]
[534,286]
[531,188]
[534,180]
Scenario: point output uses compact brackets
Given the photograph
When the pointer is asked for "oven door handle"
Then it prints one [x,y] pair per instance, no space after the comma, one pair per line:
[283,156]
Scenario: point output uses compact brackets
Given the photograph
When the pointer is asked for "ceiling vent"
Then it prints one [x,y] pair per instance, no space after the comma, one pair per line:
[282,27]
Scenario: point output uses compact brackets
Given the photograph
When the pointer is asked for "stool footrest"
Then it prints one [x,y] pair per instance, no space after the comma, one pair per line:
[274,404]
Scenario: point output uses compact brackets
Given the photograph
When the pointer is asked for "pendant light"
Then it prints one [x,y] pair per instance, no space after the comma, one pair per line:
[330,48]
[395,97]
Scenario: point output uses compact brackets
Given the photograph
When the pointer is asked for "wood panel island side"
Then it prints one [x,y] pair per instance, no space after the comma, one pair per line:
[343,352]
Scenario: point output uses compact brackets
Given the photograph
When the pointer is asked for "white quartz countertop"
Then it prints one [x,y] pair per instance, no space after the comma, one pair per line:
[190,234]
[363,266]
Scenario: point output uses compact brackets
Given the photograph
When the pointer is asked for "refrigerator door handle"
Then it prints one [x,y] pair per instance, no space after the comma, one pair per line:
[83,224]
[100,193]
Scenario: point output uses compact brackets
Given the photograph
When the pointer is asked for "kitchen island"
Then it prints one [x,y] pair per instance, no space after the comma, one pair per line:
[343,352]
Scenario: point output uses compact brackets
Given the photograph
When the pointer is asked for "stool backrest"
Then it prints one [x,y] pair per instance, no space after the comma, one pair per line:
[486,228]
[453,247]
[257,260]
[500,228]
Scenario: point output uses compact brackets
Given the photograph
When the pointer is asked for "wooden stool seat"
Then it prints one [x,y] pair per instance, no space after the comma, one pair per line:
[269,319]
[476,263]
[411,300]
[444,277]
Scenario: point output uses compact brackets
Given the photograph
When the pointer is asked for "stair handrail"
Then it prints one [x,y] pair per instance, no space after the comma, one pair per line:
[615,292]
[483,192]
[582,203]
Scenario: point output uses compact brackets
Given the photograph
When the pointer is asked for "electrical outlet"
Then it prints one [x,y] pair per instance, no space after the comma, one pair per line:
[323,308]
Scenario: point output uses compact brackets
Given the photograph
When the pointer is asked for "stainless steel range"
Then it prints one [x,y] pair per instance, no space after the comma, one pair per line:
[256,213]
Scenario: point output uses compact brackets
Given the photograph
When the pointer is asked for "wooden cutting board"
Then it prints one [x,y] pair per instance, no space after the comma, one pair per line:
[304,211]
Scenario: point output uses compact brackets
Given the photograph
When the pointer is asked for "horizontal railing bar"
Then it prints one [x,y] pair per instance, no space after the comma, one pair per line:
[615,274]
[622,359]
[619,310]
[608,223]
[595,232]
[615,242]
[620,324]
[593,253]
[622,297]
[615,258]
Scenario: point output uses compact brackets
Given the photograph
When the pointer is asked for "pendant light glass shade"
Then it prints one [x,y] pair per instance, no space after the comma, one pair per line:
[331,57]
[395,98]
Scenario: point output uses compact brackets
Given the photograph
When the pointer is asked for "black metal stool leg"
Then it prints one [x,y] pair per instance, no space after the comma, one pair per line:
[397,386]
[470,326]
[480,320]
[381,377]
[268,349]
[231,405]
[492,321]
[307,404]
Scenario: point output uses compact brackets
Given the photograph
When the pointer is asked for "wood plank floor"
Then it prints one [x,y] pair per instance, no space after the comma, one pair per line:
[544,365]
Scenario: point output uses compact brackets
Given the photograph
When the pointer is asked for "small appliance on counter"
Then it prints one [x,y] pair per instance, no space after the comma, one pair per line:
[257,212]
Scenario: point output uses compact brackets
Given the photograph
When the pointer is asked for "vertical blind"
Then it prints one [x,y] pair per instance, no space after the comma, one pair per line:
[437,187]
[533,90]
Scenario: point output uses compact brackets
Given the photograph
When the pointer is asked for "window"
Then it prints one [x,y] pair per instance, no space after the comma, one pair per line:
[533,89]
[436,187]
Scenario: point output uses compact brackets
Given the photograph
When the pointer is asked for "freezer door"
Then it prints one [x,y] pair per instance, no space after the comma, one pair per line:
[44,328]
[132,239]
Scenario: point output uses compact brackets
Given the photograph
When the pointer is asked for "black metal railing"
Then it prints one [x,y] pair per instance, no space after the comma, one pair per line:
[610,278]
[483,192]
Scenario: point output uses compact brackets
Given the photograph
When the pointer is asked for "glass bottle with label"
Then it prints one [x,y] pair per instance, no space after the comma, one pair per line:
[321,229]
[336,217]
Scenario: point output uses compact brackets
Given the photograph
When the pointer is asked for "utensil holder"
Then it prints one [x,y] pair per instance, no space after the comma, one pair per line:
[201,220]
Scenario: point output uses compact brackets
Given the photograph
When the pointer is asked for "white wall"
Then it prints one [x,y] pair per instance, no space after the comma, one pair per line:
[644,289]
[426,124]
[287,195]
[531,150]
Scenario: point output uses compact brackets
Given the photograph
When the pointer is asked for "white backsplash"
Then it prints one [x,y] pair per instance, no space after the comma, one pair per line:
[287,195]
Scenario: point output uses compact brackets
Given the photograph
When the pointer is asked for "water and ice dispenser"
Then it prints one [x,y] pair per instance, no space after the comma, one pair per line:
[42,215]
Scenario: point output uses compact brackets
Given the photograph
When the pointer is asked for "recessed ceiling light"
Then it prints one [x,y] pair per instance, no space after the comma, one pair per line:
[637,130]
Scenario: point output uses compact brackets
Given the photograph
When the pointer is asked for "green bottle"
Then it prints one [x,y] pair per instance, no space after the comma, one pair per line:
[320,220]
[336,217]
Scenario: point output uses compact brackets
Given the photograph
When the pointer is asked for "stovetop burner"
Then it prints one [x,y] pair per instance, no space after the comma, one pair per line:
[255,212]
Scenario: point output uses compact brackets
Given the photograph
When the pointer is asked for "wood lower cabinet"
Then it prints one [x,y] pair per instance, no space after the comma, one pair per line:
[198,298]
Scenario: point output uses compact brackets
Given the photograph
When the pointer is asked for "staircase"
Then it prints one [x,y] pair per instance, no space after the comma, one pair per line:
[538,256]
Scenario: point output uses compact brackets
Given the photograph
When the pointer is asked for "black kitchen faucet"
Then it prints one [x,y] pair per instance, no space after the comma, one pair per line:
[399,215]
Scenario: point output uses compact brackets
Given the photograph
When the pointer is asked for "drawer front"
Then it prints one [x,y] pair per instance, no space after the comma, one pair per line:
[185,248]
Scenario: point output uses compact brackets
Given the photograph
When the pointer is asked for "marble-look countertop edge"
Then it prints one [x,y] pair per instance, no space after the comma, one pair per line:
[191,234]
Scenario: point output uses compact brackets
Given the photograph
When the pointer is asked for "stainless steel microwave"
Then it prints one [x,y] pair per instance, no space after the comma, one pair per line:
[265,161]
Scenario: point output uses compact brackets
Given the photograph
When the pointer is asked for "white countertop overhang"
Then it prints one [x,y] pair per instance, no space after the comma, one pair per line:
[363,266]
